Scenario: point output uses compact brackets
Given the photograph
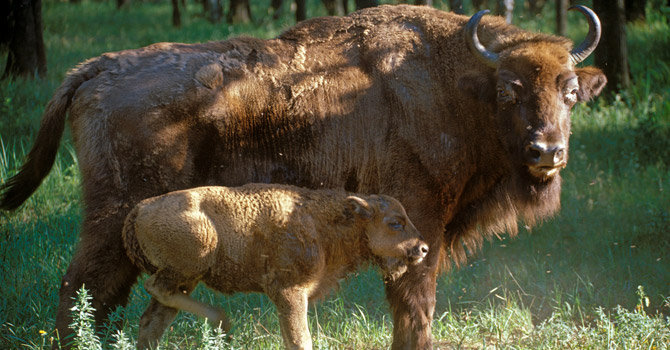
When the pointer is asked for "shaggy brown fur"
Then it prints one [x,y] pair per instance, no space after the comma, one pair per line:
[291,243]
[386,100]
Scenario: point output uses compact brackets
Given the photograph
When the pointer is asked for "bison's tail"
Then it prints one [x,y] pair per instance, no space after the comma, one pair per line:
[43,154]
[132,245]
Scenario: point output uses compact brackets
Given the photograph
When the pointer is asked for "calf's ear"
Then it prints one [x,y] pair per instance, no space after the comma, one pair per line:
[361,207]
[479,86]
[591,82]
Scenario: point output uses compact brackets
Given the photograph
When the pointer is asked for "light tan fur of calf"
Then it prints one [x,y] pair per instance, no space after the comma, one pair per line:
[291,243]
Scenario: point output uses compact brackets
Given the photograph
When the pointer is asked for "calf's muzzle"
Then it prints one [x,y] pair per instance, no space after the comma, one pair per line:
[417,253]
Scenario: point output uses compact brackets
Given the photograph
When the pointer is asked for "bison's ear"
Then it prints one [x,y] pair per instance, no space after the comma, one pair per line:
[479,86]
[591,82]
[361,207]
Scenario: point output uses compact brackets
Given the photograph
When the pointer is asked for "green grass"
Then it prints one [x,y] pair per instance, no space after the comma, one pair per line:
[557,287]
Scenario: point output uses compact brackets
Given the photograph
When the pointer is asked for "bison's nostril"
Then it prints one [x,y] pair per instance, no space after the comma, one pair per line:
[543,155]
[424,249]
[558,156]
[533,153]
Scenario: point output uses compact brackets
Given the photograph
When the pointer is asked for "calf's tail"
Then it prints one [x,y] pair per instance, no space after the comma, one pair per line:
[42,155]
[132,245]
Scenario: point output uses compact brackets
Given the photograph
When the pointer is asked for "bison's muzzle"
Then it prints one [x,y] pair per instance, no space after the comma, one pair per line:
[544,160]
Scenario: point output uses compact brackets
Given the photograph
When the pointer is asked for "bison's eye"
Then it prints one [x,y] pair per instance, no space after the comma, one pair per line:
[502,92]
[571,96]
[571,90]
[506,93]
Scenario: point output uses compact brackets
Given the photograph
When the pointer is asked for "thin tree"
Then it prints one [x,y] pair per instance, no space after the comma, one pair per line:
[276,8]
[5,23]
[176,15]
[26,55]
[611,55]
[212,10]
[300,10]
[506,9]
[425,2]
[361,4]
[635,10]
[239,12]
[479,4]
[561,16]
[456,6]
[335,7]
[535,6]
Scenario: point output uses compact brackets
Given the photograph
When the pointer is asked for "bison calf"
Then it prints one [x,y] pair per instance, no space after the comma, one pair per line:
[291,243]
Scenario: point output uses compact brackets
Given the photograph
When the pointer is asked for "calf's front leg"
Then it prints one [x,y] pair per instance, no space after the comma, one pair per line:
[292,308]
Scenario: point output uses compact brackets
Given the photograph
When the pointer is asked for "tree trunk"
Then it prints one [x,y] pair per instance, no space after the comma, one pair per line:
[561,17]
[611,55]
[276,8]
[479,4]
[535,6]
[176,16]
[239,11]
[26,54]
[424,2]
[300,10]
[635,10]
[361,4]
[456,6]
[213,10]
[119,3]
[5,23]
[506,9]
[335,7]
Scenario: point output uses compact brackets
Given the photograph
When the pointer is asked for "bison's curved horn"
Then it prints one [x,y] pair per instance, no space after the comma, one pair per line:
[589,44]
[485,56]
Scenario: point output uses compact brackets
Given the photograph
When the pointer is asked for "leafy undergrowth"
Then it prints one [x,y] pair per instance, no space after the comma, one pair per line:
[497,326]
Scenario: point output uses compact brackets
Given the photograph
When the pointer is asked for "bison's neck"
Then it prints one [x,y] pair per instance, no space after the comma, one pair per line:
[502,203]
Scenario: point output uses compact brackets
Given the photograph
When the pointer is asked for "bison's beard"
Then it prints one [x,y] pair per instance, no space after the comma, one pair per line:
[535,197]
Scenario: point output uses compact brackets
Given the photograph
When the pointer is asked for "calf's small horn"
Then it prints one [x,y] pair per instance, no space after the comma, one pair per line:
[485,56]
[589,44]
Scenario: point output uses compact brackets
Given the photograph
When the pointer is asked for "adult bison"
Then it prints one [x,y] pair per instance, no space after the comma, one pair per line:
[467,124]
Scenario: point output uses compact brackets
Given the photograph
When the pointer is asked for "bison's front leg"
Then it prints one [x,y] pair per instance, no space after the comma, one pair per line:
[292,308]
[412,300]
[412,296]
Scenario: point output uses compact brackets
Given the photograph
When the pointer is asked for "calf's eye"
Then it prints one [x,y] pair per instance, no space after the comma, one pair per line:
[395,225]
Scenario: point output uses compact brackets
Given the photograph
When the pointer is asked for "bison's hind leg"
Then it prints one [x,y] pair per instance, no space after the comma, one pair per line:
[173,290]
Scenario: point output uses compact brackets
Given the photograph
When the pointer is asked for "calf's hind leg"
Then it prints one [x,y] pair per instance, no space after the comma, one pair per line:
[172,291]
[153,323]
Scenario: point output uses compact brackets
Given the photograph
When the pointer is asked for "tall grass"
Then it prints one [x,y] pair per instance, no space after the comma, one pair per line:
[570,283]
